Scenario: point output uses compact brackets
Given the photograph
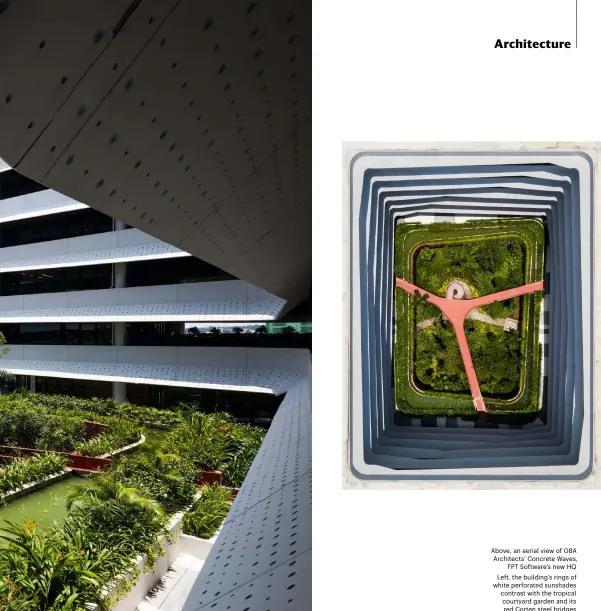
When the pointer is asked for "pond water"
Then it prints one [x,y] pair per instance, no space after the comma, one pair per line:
[48,504]
[42,506]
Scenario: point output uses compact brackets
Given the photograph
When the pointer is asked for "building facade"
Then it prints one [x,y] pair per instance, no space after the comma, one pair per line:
[190,122]
[93,307]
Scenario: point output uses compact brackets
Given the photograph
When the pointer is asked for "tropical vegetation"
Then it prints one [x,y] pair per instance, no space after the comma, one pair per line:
[119,434]
[495,353]
[14,474]
[167,478]
[33,427]
[114,517]
[208,512]
[486,257]
[27,425]
[485,265]
[68,566]
[216,442]
[95,407]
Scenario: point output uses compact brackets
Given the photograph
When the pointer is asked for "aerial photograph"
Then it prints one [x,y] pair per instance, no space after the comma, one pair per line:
[472,271]
[470,313]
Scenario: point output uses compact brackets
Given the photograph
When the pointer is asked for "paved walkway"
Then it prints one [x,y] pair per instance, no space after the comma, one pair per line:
[174,589]
[473,314]
[456,310]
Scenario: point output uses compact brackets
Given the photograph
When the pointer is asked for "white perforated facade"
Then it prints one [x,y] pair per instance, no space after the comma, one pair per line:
[112,110]
[111,247]
[266,538]
[233,300]
[36,204]
[272,512]
[270,370]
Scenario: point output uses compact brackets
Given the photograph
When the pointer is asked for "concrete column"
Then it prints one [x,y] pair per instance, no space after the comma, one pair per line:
[119,271]
[119,276]
[119,392]
[31,383]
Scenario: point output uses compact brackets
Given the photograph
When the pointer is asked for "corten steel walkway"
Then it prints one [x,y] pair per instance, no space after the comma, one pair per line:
[456,310]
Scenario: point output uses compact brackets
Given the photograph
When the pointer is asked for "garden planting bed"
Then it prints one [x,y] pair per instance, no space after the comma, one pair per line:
[32,487]
[40,445]
[141,579]
[125,449]
[76,462]
[485,257]
[115,523]
[142,415]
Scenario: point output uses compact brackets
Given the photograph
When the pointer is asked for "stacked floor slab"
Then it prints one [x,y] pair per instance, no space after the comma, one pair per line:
[388,188]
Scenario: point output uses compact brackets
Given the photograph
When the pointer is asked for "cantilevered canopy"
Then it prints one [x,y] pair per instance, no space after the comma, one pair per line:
[188,120]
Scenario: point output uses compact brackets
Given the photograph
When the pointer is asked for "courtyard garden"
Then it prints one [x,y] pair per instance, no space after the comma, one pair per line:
[66,540]
[474,258]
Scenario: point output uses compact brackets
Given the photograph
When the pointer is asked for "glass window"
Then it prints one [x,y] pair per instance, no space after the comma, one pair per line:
[59,334]
[173,271]
[88,334]
[11,333]
[55,227]
[76,388]
[255,408]
[88,277]
[13,184]
[40,333]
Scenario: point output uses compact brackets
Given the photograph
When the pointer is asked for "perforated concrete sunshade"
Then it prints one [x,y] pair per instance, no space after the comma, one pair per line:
[189,120]
[96,249]
[268,370]
[40,203]
[555,187]
[230,300]
[262,557]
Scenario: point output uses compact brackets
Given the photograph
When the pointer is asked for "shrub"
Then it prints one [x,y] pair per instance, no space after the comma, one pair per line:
[205,440]
[32,427]
[22,427]
[99,407]
[65,567]
[208,513]
[61,433]
[54,569]
[247,440]
[17,473]
[119,434]
[216,442]
[165,477]
[114,514]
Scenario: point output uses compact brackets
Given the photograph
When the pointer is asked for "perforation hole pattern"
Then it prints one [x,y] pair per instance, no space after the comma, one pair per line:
[155,250]
[192,376]
[233,166]
[261,560]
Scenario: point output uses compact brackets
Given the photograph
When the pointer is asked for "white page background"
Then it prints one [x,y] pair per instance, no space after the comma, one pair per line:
[427,71]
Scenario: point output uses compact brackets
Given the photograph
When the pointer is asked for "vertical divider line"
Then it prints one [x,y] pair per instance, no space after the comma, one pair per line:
[576,23]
